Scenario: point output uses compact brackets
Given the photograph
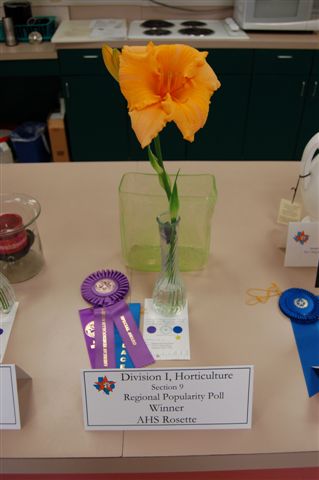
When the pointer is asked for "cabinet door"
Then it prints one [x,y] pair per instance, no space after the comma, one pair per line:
[30,91]
[222,136]
[276,103]
[310,120]
[274,115]
[96,113]
[96,118]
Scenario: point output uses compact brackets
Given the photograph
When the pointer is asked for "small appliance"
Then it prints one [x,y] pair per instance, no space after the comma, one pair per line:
[310,183]
[288,15]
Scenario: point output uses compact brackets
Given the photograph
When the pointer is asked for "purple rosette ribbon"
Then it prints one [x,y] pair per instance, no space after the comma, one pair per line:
[105,290]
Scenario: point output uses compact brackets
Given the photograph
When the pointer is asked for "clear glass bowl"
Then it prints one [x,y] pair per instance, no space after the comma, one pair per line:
[21,255]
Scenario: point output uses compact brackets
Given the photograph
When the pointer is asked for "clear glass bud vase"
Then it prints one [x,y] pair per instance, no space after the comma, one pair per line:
[169,295]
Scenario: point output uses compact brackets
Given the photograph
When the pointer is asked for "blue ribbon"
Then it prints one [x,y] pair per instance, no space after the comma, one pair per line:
[307,341]
[135,310]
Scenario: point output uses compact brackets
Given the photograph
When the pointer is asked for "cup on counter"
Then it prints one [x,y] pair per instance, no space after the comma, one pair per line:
[21,254]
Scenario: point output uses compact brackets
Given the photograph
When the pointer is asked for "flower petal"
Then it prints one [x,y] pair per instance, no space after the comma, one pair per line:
[189,106]
[111,57]
[180,59]
[147,123]
[190,115]
[137,76]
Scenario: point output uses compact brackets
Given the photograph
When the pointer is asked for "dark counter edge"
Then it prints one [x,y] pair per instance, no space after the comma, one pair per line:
[203,463]
[48,50]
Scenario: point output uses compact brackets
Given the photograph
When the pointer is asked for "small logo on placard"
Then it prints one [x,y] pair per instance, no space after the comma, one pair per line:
[301,237]
[104,385]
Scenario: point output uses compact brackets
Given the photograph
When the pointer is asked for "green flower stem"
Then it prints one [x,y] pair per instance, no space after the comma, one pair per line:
[157,163]
[158,151]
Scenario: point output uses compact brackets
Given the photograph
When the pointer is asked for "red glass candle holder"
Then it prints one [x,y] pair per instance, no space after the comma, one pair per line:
[13,236]
[21,254]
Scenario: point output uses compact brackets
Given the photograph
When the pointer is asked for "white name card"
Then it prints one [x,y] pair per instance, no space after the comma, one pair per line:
[9,402]
[302,248]
[166,399]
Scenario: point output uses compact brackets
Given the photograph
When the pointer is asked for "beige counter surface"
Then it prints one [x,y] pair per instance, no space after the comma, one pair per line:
[307,41]
[25,51]
[79,228]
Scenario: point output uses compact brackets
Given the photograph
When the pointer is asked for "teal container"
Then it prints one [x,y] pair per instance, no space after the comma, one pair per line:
[46,26]
[142,199]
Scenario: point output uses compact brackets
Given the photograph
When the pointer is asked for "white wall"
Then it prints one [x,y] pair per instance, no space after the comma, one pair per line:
[129,9]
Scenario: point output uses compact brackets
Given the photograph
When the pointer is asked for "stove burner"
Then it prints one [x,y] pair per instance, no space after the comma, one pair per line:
[198,32]
[157,31]
[156,24]
[193,23]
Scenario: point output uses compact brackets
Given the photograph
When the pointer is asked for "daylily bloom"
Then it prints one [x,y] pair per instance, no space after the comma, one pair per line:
[164,83]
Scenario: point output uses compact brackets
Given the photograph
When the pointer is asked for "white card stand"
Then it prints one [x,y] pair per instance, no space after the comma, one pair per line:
[9,401]
[302,249]
[168,399]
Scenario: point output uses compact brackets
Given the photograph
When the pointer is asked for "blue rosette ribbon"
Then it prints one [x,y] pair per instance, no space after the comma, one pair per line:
[302,307]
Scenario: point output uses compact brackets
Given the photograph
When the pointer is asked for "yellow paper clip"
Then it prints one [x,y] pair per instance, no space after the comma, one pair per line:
[262,295]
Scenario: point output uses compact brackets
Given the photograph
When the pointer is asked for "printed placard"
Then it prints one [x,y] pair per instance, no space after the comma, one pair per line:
[166,399]
[9,402]
[166,337]
[6,324]
[302,248]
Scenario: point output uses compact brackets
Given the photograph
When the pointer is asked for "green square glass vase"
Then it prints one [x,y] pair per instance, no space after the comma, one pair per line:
[142,199]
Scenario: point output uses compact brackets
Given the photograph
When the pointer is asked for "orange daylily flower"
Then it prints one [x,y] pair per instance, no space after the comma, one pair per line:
[166,83]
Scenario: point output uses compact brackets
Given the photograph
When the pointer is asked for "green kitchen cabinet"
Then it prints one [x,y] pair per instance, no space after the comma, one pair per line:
[222,136]
[30,90]
[277,101]
[310,118]
[266,108]
[96,114]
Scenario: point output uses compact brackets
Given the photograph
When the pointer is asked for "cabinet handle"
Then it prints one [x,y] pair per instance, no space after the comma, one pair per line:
[315,88]
[89,57]
[67,90]
[302,90]
[285,57]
